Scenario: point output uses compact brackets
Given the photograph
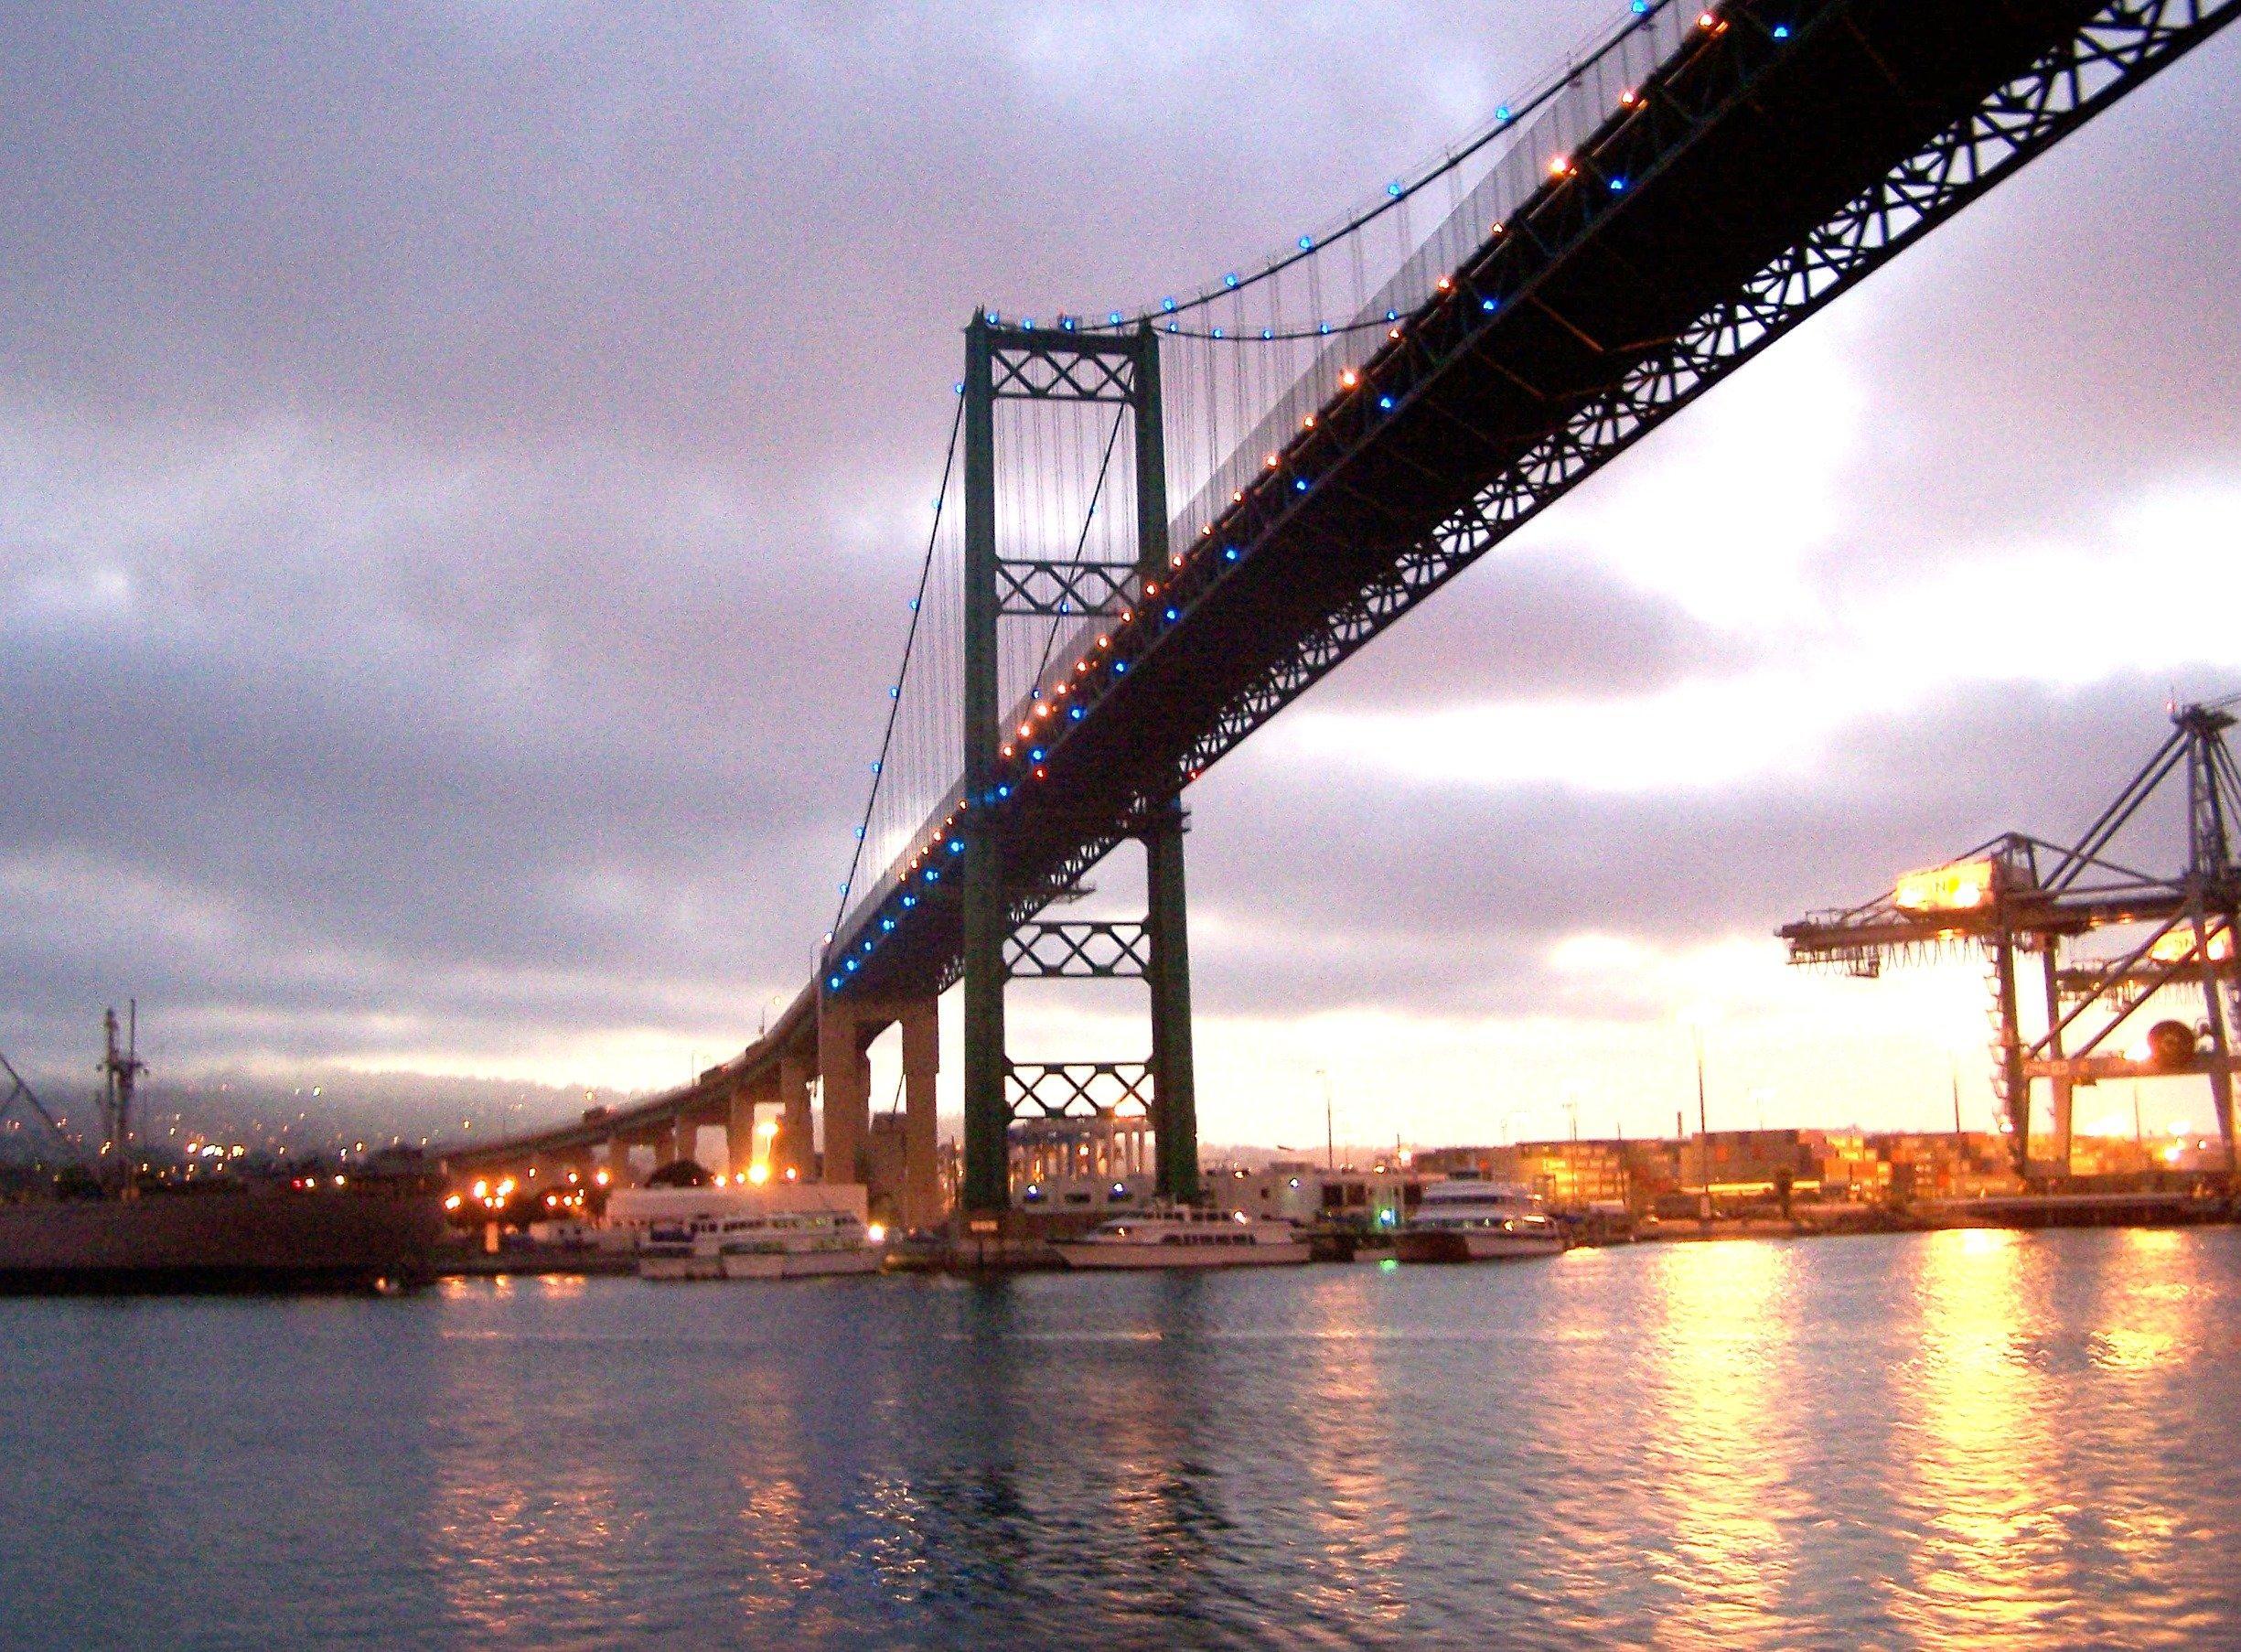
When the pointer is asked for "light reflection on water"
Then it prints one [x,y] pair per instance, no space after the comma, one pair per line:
[1929,1440]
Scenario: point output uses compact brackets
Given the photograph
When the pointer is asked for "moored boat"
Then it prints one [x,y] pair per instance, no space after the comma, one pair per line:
[789,1232]
[1184,1236]
[1467,1219]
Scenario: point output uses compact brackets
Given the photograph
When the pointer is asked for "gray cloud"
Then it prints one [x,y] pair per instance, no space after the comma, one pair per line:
[1345,889]
[460,469]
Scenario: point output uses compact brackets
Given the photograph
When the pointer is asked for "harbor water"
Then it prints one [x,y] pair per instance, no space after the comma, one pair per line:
[1923,1440]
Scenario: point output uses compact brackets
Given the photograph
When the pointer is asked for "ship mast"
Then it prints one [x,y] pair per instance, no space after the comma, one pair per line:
[121,1071]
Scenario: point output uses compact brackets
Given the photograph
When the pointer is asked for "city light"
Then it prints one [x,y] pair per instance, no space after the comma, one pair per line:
[1961,887]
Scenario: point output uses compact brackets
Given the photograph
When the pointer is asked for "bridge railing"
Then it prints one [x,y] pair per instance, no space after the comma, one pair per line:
[1511,168]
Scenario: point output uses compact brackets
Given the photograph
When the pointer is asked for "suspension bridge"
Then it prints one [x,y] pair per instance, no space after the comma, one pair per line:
[1161,523]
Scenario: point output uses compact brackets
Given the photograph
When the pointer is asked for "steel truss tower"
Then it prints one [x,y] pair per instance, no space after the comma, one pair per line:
[1002,938]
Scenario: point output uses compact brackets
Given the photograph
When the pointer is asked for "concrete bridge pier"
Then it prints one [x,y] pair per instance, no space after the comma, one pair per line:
[920,1204]
[847,1078]
[796,1146]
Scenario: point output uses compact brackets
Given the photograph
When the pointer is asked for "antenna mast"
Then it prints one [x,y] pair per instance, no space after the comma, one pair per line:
[121,1071]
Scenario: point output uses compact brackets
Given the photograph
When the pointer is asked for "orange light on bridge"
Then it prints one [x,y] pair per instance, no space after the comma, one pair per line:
[758,1172]
[1961,887]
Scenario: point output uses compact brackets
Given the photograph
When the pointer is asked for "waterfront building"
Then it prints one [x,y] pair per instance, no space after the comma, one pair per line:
[1080,1164]
[1295,1189]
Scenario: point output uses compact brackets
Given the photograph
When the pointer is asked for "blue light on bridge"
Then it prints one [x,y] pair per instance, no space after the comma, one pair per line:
[1385,403]
[1230,553]
[1307,243]
[1782,31]
[1267,332]
[957,845]
[1076,714]
[1120,667]
[895,693]
[832,982]
[1230,281]
[1112,318]
[1174,327]
[909,901]
[887,924]
[1393,315]
[852,966]
[1173,616]
[1618,184]
[1502,114]
[1488,305]
[933,874]
[867,946]
[859,834]
[1036,756]
[1641,7]
[1004,791]
[1217,332]
[1322,327]
[1300,486]
[1167,304]
[1394,190]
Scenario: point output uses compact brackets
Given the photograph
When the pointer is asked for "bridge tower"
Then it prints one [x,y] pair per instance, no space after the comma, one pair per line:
[1002,938]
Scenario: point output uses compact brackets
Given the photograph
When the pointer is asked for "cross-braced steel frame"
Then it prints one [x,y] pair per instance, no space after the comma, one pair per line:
[999,941]
[2033,898]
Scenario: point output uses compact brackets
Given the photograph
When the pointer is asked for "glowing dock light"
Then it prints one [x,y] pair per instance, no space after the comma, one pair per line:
[1962,887]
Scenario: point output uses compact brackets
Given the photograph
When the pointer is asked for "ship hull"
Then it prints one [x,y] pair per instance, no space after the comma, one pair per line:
[798,1264]
[1084,1255]
[1449,1246]
[216,1242]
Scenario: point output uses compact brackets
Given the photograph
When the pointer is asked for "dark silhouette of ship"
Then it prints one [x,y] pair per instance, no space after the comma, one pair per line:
[98,1227]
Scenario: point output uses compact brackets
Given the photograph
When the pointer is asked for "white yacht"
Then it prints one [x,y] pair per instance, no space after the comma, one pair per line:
[799,1246]
[1467,1219]
[770,1232]
[680,1248]
[1182,1235]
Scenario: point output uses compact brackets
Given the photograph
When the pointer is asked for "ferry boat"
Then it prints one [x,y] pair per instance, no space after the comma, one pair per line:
[1467,1219]
[1183,1236]
[800,1246]
[789,1232]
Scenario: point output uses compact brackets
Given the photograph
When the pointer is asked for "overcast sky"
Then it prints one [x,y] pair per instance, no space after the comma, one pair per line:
[461,464]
